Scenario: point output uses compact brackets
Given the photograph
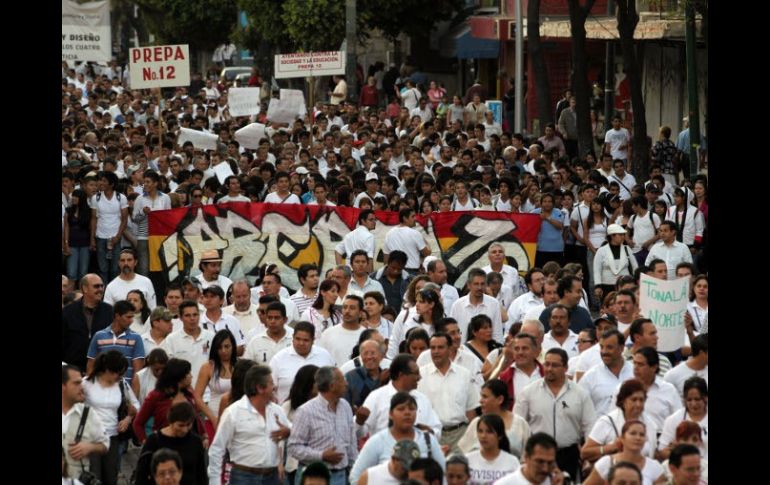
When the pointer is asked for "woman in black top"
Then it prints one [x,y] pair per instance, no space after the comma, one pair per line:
[177,436]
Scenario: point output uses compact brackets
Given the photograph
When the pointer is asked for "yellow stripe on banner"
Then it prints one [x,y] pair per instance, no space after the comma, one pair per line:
[447,242]
[531,249]
[154,244]
[310,255]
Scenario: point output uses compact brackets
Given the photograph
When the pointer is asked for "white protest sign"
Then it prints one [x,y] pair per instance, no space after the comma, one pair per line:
[243,101]
[665,303]
[199,139]
[223,170]
[249,136]
[280,111]
[295,100]
[85,32]
[304,64]
[159,66]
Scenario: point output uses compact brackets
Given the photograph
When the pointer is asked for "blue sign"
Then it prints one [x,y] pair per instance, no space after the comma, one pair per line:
[496,107]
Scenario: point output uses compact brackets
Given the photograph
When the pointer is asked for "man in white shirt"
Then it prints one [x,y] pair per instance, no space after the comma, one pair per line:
[372,189]
[210,266]
[462,200]
[560,336]
[601,380]
[339,340]
[437,273]
[250,431]
[422,110]
[309,278]
[192,343]
[539,464]
[244,310]
[94,440]
[578,221]
[282,195]
[662,397]
[405,238]
[360,238]
[560,407]
[617,140]
[128,280]
[476,302]
[441,381]
[151,200]
[276,337]
[623,178]
[215,319]
[696,365]
[372,416]
[302,352]
[496,255]
[458,353]
[233,191]
[160,328]
[671,251]
[361,282]
[535,281]
[340,92]
[271,286]
[109,216]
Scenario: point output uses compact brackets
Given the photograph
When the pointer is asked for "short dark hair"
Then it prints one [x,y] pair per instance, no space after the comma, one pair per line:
[614,332]
[364,214]
[306,268]
[637,327]
[400,365]
[700,344]
[565,284]
[430,468]
[256,377]
[316,470]
[623,464]
[359,252]
[306,327]
[561,353]
[358,300]
[680,451]
[65,372]
[276,306]
[181,412]
[541,439]
[162,456]
[398,256]
[122,307]
[404,213]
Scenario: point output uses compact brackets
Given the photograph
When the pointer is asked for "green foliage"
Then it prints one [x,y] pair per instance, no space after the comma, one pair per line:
[203,24]
[312,25]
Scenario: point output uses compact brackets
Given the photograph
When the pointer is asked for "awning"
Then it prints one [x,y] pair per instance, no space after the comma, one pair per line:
[459,43]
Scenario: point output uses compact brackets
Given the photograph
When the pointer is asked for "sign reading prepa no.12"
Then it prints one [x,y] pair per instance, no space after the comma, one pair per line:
[159,66]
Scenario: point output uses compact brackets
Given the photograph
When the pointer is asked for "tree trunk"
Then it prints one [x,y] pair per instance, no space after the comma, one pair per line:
[542,86]
[577,17]
[628,18]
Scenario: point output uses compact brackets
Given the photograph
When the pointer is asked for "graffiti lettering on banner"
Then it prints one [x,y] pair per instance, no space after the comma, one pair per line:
[251,234]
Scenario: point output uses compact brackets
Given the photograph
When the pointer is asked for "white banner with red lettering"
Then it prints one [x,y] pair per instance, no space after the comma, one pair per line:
[160,66]
[304,64]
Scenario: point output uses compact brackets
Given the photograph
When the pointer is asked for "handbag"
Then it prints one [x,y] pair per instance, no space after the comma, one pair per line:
[128,434]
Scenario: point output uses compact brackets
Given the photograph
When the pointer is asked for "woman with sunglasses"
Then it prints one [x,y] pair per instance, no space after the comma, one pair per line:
[324,313]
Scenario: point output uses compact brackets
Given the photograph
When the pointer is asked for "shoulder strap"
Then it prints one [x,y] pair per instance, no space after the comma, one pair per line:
[82,425]
[427,442]
[614,428]
[628,256]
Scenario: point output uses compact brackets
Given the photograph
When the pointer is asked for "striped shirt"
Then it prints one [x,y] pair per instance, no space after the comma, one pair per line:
[128,343]
[301,301]
[161,202]
[316,427]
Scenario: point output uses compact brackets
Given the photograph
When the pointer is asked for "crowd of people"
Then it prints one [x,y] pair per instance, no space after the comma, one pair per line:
[368,374]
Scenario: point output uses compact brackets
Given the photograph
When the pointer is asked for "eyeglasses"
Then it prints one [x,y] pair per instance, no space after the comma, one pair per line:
[585,341]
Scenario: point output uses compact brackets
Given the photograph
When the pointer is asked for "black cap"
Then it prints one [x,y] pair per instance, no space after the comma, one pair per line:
[607,317]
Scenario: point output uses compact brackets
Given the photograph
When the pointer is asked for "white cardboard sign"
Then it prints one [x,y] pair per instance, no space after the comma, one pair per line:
[249,135]
[243,101]
[665,303]
[159,66]
[205,141]
[304,64]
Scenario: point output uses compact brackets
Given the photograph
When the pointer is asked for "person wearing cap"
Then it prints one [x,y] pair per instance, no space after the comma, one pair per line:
[396,470]
[215,319]
[210,266]
[127,280]
[160,328]
[611,261]
[372,189]
[401,440]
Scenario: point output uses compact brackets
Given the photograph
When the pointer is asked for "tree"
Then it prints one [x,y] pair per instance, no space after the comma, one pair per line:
[203,24]
[543,87]
[628,18]
[577,19]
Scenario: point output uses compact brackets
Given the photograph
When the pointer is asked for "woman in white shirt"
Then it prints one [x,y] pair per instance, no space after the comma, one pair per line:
[493,459]
[604,438]
[696,398]
[611,261]
[633,438]
[495,400]
[324,313]
[698,308]
[596,224]
[141,323]
[105,390]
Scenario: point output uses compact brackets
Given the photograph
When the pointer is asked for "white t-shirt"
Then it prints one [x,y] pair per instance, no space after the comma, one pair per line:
[517,478]
[340,341]
[616,138]
[681,373]
[405,239]
[644,228]
[118,289]
[108,213]
[652,469]
[274,198]
[484,472]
